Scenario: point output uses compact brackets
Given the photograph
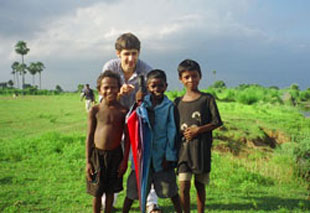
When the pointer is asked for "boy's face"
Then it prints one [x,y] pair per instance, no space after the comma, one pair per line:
[109,89]
[190,79]
[156,87]
[129,59]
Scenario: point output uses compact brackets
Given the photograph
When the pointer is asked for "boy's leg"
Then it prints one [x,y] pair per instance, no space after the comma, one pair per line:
[103,200]
[201,196]
[184,195]
[131,192]
[96,204]
[127,204]
[109,202]
[176,203]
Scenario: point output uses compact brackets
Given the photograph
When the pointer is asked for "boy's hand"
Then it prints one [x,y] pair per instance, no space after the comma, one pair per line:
[89,171]
[191,132]
[139,97]
[126,89]
[122,168]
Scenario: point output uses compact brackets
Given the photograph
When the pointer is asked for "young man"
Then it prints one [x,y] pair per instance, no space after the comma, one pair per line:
[163,145]
[198,116]
[104,156]
[129,67]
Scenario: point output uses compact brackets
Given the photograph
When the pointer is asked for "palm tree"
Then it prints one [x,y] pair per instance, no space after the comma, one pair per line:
[214,73]
[22,49]
[10,83]
[21,70]
[40,68]
[33,69]
[14,67]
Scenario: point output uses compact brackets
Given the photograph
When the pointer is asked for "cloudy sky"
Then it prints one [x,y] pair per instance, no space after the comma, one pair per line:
[245,41]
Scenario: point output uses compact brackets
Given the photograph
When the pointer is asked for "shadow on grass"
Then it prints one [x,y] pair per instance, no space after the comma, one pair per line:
[268,203]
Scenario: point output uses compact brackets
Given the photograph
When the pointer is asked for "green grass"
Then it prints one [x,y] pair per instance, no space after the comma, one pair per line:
[42,159]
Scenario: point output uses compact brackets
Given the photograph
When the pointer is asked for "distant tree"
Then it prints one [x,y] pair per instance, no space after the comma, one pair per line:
[294,87]
[59,89]
[33,69]
[3,85]
[274,87]
[10,83]
[40,67]
[219,84]
[80,87]
[214,74]
[21,69]
[22,49]
[14,67]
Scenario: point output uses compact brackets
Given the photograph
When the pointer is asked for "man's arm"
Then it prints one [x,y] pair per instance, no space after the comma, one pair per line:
[90,141]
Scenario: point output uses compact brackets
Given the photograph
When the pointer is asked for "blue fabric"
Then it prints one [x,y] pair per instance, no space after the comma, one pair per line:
[145,145]
[163,131]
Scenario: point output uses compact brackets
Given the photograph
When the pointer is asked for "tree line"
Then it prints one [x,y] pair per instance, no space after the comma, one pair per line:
[21,68]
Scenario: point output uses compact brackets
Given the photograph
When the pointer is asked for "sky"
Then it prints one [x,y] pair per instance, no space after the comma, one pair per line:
[246,41]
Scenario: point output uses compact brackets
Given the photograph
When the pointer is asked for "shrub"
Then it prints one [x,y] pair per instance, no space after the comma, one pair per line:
[302,154]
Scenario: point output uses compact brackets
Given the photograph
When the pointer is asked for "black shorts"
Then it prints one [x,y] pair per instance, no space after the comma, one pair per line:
[105,178]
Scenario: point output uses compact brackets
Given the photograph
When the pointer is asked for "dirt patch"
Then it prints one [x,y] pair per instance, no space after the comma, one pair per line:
[239,146]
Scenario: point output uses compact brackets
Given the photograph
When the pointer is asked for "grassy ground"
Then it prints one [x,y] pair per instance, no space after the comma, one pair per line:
[43,145]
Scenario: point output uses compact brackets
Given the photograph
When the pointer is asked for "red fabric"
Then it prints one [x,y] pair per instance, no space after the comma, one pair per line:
[133,131]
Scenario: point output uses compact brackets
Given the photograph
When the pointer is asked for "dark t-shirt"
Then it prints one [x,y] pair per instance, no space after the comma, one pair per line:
[88,94]
[195,155]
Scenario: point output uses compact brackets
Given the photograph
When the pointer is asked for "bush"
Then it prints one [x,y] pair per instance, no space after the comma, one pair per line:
[302,154]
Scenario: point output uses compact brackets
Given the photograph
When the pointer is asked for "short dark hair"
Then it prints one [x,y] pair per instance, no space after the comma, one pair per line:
[127,41]
[156,73]
[188,65]
[108,74]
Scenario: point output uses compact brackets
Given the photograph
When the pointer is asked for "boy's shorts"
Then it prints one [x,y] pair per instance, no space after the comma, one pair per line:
[203,178]
[105,178]
[164,184]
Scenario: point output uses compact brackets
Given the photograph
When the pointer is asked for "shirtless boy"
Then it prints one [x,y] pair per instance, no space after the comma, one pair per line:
[104,157]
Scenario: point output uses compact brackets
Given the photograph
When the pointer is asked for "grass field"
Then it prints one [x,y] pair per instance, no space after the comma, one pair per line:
[42,155]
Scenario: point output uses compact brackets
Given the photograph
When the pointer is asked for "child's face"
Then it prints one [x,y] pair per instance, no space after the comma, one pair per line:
[156,87]
[129,59]
[190,79]
[109,89]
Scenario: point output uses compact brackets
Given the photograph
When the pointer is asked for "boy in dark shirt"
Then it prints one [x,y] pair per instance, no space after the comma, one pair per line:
[89,96]
[198,116]
[105,165]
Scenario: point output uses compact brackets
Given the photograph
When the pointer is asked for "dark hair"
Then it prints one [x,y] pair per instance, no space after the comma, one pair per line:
[108,74]
[127,41]
[188,65]
[156,73]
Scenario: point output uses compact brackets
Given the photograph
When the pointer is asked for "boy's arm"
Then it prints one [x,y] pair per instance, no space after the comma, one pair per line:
[123,166]
[216,122]
[90,141]
[171,151]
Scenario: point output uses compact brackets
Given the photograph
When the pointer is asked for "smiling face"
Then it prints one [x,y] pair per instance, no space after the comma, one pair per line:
[190,79]
[129,59]
[156,87]
[109,89]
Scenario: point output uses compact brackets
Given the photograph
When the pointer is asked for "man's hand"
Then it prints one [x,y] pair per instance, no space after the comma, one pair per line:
[122,168]
[191,132]
[89,171]
[126,89]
